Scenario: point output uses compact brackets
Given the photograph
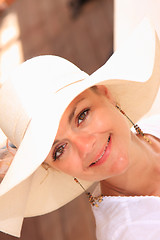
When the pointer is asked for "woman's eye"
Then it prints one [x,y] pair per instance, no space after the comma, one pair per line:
[82,116]
[58,151]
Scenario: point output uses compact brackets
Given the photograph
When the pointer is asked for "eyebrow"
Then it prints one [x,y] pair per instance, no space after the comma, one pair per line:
[71,115]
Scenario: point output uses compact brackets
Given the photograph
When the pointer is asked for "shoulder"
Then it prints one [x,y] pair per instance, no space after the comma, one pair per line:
[128,218]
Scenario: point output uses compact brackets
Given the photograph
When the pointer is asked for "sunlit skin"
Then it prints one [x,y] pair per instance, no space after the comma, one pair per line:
[94,143]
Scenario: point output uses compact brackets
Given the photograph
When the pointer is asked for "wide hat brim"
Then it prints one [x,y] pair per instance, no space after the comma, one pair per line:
[130,74]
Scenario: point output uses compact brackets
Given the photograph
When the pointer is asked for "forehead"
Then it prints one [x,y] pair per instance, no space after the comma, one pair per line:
[85,94]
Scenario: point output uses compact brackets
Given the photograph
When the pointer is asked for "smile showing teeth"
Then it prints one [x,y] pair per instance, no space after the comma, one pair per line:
[102,153]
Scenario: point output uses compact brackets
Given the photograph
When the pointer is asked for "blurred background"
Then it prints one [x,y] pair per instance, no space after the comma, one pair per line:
[80,31]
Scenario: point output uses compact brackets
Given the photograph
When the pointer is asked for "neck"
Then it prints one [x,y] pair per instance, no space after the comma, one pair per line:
[143,174]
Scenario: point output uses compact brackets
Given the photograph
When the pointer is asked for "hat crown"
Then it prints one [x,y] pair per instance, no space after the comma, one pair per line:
[25,90]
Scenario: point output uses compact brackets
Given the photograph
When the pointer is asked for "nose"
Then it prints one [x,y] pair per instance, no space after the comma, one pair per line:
[84,143]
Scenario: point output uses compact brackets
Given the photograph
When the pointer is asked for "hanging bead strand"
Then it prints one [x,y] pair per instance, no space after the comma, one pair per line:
[92,200]
[136,127]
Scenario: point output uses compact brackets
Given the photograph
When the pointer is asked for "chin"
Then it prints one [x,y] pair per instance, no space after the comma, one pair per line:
[119,167]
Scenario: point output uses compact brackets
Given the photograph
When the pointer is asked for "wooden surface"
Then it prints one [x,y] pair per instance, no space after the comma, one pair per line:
[47,27]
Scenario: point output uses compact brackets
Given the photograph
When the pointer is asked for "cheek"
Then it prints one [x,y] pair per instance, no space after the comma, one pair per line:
[120,158]
[106,118]
[68,165]
[100,121]
[119,166]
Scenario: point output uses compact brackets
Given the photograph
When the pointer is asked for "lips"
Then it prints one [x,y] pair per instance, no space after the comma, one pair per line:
[104,154]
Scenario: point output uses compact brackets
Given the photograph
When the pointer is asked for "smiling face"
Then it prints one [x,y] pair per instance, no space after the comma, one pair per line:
[93,138]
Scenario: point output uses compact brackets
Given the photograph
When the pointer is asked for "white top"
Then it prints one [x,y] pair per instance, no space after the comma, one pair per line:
[130,218]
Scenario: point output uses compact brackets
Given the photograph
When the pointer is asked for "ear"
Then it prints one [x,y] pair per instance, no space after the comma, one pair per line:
[102,89]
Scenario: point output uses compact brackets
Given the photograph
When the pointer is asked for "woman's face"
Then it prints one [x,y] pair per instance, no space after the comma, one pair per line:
[93,138]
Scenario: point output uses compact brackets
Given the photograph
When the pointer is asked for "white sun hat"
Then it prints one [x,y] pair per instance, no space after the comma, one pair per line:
[32,101]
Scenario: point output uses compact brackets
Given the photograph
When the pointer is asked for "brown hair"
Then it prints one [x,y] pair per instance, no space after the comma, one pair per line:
[7,154]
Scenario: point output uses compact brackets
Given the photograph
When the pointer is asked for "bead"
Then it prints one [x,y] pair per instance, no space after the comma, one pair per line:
[136,127]
[75,179]
[93,200]
[122,112]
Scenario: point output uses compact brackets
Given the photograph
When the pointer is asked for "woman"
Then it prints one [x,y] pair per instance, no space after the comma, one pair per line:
[70,126]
